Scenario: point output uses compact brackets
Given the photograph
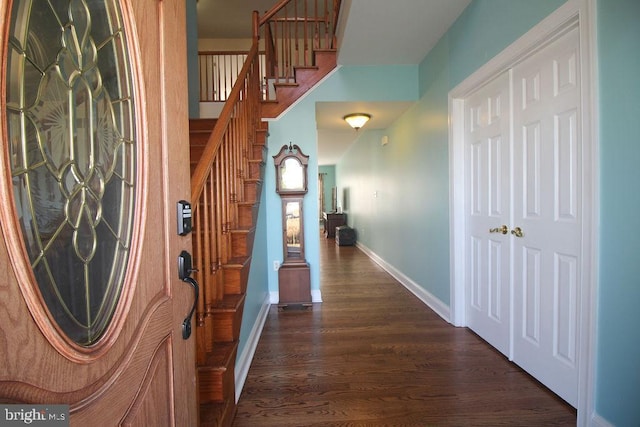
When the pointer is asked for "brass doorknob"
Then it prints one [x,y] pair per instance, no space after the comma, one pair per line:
[504,230]
[517,232]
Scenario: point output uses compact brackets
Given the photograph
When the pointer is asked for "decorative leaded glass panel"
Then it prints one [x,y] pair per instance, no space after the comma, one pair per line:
[71,129]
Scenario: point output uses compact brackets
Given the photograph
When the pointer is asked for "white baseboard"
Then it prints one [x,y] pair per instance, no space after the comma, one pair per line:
[598,421]
[243,363]
[316,296]
[274,297]
[425,296]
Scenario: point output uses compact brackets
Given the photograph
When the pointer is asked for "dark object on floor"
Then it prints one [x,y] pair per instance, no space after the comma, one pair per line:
[345,236]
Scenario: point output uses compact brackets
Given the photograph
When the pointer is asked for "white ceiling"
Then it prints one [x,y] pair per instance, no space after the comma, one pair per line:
[371,32]
[335,134]
[379,32]
[229,19]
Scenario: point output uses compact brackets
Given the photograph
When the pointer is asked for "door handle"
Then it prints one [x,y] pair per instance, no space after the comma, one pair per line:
[504,230]
[184,273]
[186,324]
[517,232]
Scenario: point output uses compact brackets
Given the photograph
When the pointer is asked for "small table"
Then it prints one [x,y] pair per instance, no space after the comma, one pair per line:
[331,221]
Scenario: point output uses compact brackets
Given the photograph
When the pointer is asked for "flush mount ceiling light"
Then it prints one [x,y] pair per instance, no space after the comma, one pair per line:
[357,120]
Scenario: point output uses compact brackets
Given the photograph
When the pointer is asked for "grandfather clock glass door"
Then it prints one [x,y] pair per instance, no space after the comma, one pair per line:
[291,184]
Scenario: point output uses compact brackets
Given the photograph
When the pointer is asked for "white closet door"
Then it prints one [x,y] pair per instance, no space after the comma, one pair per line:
[547,206]
[487,207]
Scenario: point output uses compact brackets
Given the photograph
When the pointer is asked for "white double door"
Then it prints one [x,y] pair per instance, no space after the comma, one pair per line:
[524,213]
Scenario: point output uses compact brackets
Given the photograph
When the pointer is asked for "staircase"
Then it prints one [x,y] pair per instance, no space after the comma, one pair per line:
[228,157]
[218,326]
[305,77]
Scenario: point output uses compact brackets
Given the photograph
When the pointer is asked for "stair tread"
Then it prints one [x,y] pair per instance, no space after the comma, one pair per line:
[242,230]
[221,358]
[230,303]
[286,84]
[217,414]
[237,262]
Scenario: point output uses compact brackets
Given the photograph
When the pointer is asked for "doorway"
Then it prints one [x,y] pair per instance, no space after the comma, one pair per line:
[523,205]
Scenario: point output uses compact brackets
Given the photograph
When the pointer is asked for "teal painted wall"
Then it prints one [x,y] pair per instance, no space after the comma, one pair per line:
[378,179]
[389,83]
[485,28]
[618,372]
[400,192]
[257,286]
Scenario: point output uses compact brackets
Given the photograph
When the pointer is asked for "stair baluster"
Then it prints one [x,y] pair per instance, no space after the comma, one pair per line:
[227,173]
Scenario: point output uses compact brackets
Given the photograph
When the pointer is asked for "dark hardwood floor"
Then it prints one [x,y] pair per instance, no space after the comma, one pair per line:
[373,354]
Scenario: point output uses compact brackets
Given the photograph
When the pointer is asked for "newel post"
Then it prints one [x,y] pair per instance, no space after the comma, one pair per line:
[256,26]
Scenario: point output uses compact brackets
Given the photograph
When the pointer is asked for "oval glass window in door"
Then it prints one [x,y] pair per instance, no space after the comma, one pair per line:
[72,141]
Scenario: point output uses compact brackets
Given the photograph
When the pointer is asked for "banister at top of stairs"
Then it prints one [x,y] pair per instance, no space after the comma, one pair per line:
[297,42]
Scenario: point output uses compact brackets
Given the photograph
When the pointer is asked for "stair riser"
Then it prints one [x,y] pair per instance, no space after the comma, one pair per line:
[256,170]
[261,137]
[235,280]
[216,384]
[242,244]
[259,152]
[195,153]
[247,215]
[202,124]
[252,191]
[199,138]
[227,325]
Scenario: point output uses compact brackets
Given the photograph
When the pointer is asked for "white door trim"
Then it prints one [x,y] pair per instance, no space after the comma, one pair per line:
[572,13]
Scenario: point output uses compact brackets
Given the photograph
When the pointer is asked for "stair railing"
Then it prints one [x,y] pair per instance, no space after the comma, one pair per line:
[217,185]
[292,30]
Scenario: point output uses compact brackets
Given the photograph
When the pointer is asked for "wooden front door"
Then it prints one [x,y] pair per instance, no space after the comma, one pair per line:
[93,158]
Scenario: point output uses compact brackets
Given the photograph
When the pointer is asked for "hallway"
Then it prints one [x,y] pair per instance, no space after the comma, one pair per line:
[373,354]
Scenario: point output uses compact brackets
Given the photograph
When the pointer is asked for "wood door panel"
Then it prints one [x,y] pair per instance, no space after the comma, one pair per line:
[142,370]
[548,265]
[150,404]
[126,388]
[487,129]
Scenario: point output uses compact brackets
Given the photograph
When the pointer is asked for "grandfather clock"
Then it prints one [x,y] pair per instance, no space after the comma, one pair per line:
[294,277]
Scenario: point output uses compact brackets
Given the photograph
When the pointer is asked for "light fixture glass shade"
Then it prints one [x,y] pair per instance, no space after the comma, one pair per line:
[357,120]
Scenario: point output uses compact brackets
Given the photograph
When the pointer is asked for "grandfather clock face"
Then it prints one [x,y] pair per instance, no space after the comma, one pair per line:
[291,170]
[292,175]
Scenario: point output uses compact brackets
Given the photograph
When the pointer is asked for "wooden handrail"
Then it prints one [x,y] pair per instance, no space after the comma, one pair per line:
[201,171]
[271,12]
